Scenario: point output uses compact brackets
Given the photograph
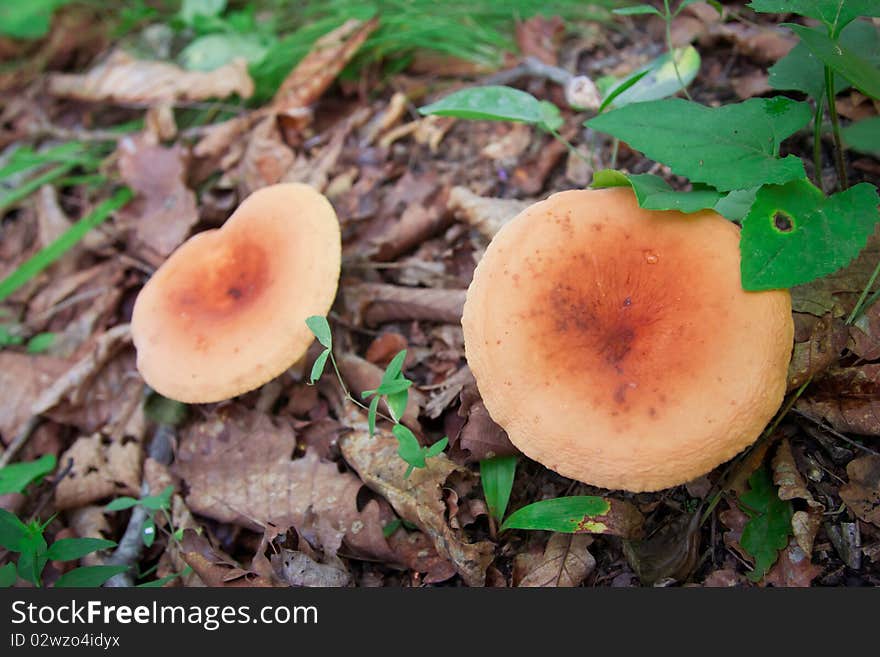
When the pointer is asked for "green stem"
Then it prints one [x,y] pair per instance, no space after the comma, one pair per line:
[817,141]
[668,18]
[571,149]
[34,184]
[614,147]
[351,397]
[835,125]
[860,304]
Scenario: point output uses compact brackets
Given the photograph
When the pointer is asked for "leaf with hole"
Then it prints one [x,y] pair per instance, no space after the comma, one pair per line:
[497,476]
[497,103]
[15,478]
[793,234]
[729,147]
[860,71]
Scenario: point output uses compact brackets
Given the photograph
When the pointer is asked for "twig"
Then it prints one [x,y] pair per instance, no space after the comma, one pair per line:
[19,440]
[128,552]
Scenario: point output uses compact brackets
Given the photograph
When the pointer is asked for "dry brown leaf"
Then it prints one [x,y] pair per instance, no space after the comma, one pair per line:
[848,399]
[804,523]
[671,552]
[724,578]
[266,157]
[862,493]
[793,568]
[864,334]
[238,468]
[418,498]
[299,569]
[215,568]
[540,37]
[372,304]
[566,562]
[480,435]
[818,344]
[23,378]
[487,215]
[102,468]
[317,70]
[164,210]
[123,79]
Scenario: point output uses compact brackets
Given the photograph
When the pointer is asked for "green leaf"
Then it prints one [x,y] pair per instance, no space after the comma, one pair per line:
[397,403]
[40,343]
[496,103]
[8,576]
[158,502]
[60,246]
[393,387]
[637,10]
[654,193]
[162,410]
[864,136]
[371,415]
[9,338]
[121,503]
[27,20]
[88,576]
[497,475]
[860,72]
[14,478]
[319,365]
[190,9]
[69,549]
[794,234]
[437,448]
[13,532]
[571,515]
[408,447]
[392,527]
[659,79]
[33,557]
[801,70]
[148,532]
[212,51]
[769,526]
[729,147]
[319,326]
[835,14]
[159,583]
[611,88]
[395,367]
[735,205]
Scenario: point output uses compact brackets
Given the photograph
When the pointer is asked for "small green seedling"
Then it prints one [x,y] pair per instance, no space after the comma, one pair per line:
[152,504]
[497,475]
[393,389]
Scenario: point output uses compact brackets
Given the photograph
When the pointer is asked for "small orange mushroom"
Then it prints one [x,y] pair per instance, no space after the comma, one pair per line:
[226,312]
[616,345]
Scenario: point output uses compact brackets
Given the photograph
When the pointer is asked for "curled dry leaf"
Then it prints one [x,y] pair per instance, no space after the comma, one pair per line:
[804,523]
[862,493]
[566,562]
[487,215]
[215,568]
[848,399]
[481,435]
[238,467]
[377,303]
[102,468]
[123,79]
[164,210]
[22,378]
[418,498]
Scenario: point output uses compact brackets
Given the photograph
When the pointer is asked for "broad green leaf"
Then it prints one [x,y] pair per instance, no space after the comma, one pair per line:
[637,10]
[495,103]
[801,70]
[69,549]
[8,576]
[860,72]
[864,136]
[14,478]
[62,244]
[653,193]
[735,205]
[33,557]
[28,19]
[212,51]
[158,502]
[190,9]
[397,403]
[121,503]
[835,14]
[769,526]
[437,448]
[319,326]
[88,576]
[13,532]
[40,343]
[408,447]
[162,410]
[658,78]
[318,367]
[393,387]
[729,147]
[583,514]
[148,532]
[497,476]
[371,415]
[794,234]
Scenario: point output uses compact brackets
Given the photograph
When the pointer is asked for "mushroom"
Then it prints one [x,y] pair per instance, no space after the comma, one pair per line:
[226,312]
[616,346]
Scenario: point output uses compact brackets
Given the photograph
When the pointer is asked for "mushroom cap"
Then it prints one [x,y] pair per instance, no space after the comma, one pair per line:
[616,345]
[226,312]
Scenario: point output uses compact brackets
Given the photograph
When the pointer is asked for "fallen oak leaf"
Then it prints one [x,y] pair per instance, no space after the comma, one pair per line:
[215,568]
[862,493]
[793,569]
[417,498]
[804,523]
[848,399]
[670,552]
[566,562]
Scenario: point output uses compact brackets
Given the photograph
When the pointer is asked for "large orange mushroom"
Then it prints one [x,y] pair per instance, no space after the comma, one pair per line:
[616,345]
[226,312]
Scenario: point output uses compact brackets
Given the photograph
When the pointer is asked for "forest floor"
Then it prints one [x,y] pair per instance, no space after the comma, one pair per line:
[284,486]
